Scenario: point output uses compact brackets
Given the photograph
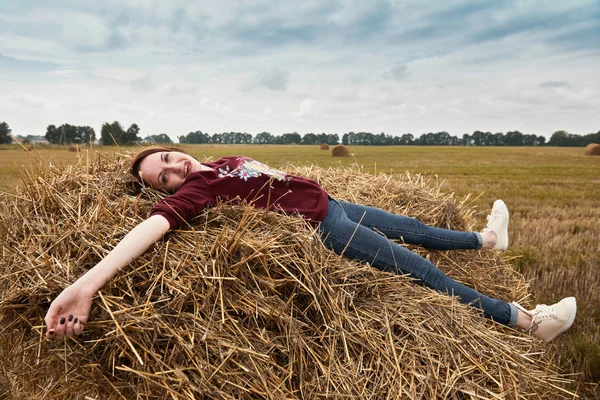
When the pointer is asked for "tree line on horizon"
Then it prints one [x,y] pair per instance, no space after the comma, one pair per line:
[115,134]
[478,138]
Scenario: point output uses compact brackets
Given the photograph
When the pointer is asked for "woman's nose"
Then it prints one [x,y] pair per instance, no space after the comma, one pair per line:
[175,168]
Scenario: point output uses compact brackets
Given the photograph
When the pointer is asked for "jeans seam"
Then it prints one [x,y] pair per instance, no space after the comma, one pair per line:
[427,235]
[399,269]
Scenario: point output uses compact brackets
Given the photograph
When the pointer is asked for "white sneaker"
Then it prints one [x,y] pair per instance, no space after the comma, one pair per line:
[552,320]
[498,223]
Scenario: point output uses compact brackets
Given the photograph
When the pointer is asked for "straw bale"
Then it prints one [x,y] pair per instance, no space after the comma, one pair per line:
[340,151]
[324,146]
[248,304]
[592,149]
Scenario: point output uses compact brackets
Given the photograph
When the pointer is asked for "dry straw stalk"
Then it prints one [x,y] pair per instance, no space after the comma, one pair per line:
[248,304]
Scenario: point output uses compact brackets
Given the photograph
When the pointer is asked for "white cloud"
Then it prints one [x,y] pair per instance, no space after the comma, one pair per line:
[398,73]
[305,108]
[175,66]
[273,78]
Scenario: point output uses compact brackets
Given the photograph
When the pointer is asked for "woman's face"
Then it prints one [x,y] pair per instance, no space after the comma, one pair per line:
[167,170]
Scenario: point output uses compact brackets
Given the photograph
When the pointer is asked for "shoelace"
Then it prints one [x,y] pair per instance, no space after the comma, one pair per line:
[540,313]
[492,220]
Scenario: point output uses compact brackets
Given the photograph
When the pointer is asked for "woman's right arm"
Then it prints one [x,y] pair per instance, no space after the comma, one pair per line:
[70,310]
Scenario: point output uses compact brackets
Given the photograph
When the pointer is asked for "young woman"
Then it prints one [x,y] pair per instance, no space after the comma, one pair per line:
[346,228]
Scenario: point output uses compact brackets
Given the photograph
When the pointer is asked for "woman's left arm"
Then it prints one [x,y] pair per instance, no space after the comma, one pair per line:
[70,310]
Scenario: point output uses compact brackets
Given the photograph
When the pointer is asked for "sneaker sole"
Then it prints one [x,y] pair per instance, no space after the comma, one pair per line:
[573,304]
[502,205]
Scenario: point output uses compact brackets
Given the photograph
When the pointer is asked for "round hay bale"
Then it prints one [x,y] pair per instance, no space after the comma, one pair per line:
[324,146]
[74,148]
[248,304]
[592,149]
[29,147]
[340,151]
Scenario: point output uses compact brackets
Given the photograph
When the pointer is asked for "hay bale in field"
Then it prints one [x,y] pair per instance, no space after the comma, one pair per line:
[29,147]
[324,146]
[248,304]
[74,148]
[592,149]
[340,151]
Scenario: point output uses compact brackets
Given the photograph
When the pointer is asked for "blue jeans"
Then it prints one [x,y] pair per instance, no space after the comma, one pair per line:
[357,232]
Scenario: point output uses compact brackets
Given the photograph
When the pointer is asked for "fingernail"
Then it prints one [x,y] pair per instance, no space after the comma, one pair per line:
[70,318]
[62,321]
[51,332]
[76,319]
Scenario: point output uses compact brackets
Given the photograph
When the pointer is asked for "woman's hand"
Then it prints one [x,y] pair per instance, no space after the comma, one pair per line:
[69,312]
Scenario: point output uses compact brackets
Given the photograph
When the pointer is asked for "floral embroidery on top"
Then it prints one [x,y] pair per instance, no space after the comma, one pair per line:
[253,169]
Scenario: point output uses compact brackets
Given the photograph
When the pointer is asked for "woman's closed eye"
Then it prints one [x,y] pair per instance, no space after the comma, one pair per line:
[165,159]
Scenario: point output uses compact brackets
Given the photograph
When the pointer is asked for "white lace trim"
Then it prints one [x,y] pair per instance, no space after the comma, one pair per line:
[540,313]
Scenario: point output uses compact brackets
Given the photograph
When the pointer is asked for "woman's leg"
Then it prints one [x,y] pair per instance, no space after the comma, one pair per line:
[410,230]
[346,237]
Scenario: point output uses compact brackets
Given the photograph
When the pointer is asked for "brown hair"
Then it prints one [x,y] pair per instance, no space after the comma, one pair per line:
[145,152]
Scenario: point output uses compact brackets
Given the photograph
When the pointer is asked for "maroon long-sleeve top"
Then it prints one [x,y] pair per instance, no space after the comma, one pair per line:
[237,179]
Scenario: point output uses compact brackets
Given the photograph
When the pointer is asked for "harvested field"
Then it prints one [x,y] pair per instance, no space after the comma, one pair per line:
[248,304]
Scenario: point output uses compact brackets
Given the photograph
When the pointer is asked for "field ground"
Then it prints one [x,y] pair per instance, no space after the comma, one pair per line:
[553,195]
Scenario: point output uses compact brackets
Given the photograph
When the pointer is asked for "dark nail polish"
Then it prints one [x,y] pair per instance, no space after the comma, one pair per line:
[62,321]
[70,318]
[51,332]
[76,319]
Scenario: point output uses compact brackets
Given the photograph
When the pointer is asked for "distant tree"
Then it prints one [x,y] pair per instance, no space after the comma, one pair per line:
[105,135]
[67,133]
[497,139]
[407,139]
[332,138]
[540,140]
[379,140]
[5,133]
[529,140]
[112,134]
[442,139]
[264,138]
[52,134]
[215,138]
[85,134]
[311,138]
[345,139]
[131,135]
[289,138]
[564,138]
[514,138]
[466,140]
[428,139]
[478,138]
[196,137]
[591,138]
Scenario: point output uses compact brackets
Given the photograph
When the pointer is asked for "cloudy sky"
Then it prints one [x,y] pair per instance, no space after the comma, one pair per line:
[306,66]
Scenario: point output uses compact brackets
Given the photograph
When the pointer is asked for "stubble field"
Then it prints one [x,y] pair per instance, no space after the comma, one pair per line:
[553,195]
